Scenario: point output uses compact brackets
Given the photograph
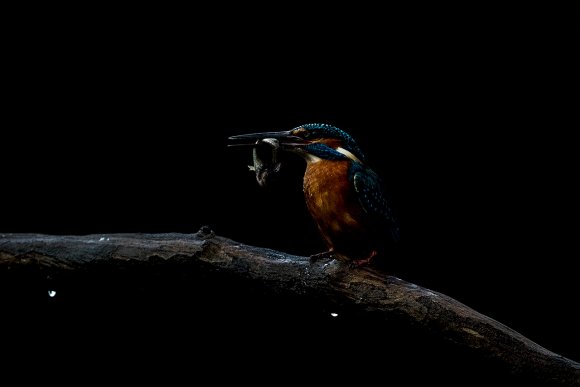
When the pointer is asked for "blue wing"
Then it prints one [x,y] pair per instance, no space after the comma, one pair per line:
[372,197]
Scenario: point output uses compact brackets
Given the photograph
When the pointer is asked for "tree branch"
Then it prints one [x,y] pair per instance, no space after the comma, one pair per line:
[362,289]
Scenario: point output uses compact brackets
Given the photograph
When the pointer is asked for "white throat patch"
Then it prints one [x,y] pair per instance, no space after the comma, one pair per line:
[311,159]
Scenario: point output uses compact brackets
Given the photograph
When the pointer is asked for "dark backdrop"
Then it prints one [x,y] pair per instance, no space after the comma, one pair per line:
[123,126]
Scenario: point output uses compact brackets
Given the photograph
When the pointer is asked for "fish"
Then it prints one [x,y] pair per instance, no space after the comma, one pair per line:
[266,164]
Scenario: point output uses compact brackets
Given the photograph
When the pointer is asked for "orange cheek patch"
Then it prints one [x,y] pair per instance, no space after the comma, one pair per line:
[331,142]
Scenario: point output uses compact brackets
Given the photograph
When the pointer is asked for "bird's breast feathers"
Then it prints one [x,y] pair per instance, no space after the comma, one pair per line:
[329,194]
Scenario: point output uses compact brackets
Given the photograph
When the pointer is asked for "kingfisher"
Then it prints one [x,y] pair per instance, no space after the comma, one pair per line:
[346,199]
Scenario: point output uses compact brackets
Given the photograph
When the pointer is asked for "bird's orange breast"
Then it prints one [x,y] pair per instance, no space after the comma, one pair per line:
[332,202]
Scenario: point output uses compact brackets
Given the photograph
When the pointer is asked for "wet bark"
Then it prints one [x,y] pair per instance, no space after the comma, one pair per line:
[365,290]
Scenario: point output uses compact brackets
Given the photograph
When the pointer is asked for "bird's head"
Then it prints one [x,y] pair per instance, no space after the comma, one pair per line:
[312,141]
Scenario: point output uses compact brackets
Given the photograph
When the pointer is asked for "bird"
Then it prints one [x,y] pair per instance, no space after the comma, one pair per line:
[346,198]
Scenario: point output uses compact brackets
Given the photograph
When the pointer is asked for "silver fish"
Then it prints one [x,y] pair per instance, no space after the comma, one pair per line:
[266,164]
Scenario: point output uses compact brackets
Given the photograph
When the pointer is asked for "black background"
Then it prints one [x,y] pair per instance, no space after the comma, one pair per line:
[120,124]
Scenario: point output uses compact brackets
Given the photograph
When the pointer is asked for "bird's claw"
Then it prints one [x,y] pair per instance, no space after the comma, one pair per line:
[365,261]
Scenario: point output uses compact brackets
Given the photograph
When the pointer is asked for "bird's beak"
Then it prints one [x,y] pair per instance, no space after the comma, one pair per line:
[285,138]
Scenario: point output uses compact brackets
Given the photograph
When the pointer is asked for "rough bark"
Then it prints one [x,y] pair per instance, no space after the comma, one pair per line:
[364,289]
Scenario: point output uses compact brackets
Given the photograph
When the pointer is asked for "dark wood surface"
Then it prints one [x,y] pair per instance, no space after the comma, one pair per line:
[335,284]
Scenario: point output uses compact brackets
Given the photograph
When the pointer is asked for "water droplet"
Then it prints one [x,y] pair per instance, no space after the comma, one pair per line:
[334,314]
[51,293]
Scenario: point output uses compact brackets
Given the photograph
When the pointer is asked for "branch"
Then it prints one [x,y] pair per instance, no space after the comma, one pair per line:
[363,289]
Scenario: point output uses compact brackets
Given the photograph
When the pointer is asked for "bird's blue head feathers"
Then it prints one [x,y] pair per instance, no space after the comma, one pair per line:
[325,131]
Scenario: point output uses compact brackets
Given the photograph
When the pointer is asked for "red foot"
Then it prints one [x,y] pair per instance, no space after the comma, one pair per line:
[365,261]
